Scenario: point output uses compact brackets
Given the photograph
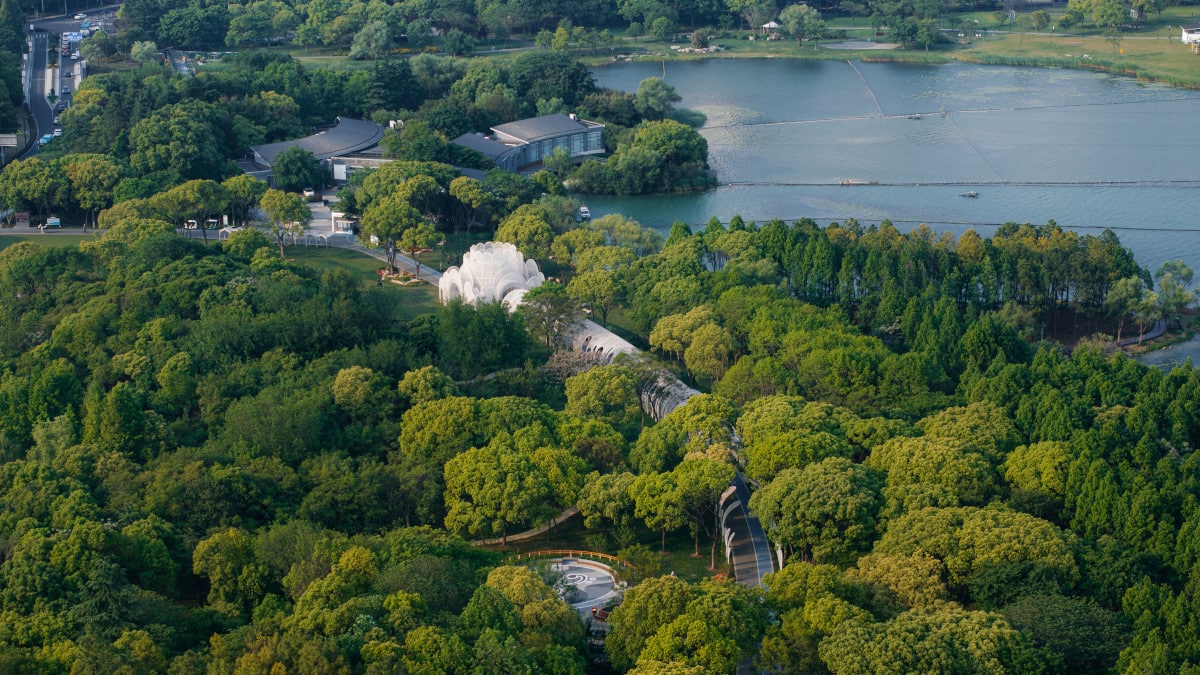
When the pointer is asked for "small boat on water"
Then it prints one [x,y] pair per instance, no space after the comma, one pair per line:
[972,194]
[584,213]
[914,117]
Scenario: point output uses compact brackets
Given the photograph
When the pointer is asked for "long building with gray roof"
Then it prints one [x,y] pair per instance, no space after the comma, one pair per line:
[346,137]
[525,143]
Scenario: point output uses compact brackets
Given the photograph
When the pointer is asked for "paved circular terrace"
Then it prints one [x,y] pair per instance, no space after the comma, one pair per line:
[594,583]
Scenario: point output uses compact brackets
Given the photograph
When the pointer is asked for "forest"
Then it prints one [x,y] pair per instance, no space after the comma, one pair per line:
[216,458]
[12,46]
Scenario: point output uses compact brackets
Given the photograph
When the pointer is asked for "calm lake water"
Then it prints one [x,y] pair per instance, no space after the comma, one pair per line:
[1088,150]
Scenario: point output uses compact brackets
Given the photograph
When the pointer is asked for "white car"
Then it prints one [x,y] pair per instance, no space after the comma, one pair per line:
[80,17]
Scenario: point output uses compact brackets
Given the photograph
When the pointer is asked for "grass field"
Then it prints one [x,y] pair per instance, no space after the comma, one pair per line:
[412,301]
[1161,60]
[7,240]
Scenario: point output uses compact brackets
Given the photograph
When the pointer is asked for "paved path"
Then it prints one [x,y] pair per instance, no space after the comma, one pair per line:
[751,550]
[405,263]
[529,534]
[1156,330]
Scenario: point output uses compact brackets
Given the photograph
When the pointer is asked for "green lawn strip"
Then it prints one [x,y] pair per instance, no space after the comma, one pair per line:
[44,239]
[572,535]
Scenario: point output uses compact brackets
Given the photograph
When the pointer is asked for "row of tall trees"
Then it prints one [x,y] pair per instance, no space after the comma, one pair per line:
[12,46]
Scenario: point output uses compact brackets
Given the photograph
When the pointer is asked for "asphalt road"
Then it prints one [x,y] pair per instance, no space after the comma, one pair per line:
[43,116]
[39,105]
[751,550]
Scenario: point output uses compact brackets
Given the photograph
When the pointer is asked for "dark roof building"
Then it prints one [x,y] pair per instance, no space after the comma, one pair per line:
[538,128]
[347,136]
[524,143]
[483,145]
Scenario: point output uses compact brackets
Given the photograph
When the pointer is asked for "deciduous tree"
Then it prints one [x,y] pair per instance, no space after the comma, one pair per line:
[386,220]
[802,21]
[288,215]
[823,512]
[491,489]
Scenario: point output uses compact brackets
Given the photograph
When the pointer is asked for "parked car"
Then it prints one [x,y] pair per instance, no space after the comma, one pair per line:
[80,17]
[66,89]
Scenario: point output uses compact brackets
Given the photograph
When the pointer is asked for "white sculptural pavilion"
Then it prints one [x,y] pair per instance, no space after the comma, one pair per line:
[491,272]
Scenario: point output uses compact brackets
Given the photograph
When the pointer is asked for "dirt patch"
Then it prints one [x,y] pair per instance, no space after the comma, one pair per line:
[859,44]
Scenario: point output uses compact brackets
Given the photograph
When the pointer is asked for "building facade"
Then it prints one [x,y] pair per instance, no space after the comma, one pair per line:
[525,143]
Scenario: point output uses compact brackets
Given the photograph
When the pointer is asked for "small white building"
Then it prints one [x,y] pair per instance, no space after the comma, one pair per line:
[1191,34]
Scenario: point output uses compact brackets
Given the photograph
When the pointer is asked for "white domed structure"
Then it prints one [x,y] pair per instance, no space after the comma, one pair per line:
[491,272]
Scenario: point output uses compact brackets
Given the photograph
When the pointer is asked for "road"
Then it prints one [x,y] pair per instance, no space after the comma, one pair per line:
[43,116]
[39,105]
[751,550]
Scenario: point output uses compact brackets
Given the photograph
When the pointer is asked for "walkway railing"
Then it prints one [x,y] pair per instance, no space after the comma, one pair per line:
[573,553]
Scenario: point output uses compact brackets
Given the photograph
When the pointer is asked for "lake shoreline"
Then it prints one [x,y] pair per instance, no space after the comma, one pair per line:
[737,49]
[878,141]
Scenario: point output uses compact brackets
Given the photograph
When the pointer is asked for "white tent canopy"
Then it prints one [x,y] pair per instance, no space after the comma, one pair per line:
[491,272]
[770,25]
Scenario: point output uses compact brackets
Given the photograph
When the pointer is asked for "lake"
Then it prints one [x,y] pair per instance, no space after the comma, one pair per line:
[1087,150]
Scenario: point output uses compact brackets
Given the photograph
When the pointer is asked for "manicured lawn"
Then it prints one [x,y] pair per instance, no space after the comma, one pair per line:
[412,301]
[7,240]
